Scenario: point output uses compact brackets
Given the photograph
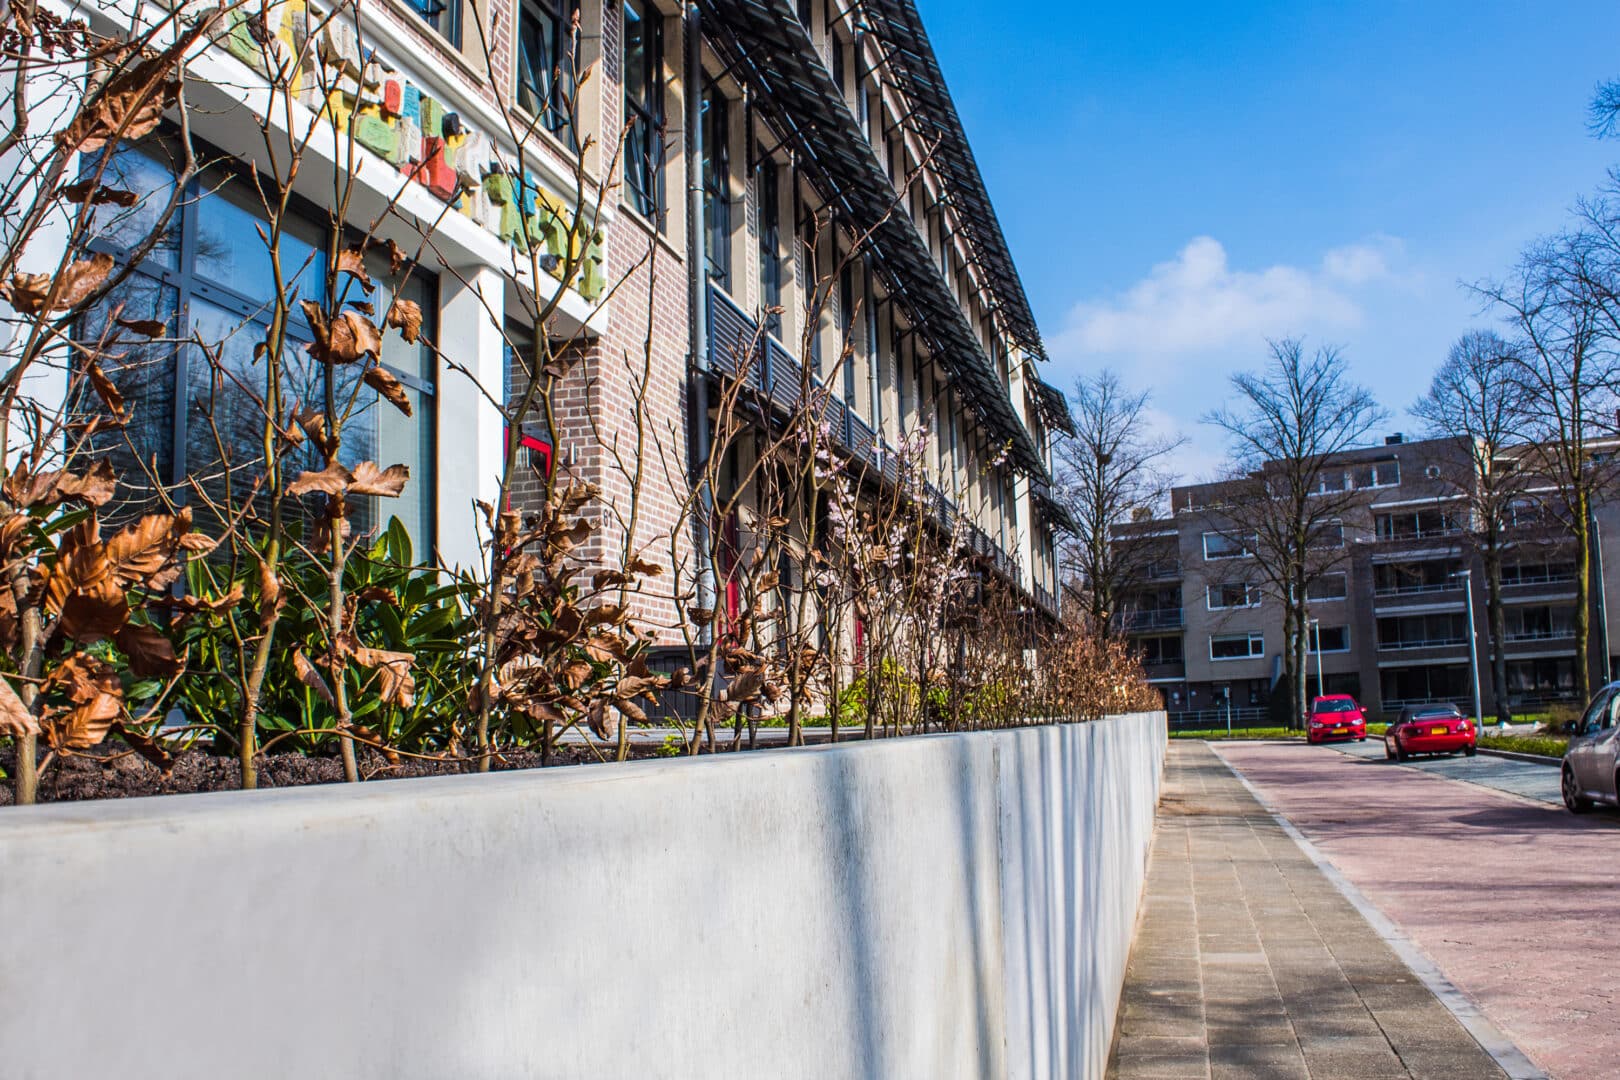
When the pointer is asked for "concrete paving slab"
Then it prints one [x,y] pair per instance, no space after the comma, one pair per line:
[1292,981]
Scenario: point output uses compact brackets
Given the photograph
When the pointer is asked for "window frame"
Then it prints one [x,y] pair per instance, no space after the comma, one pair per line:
[1254,638]
[1344,594]
[644,180]
[715,178]
[448,10]
[192,284]
[1314,646]
[547,108]
[1251,595]
[1245,550]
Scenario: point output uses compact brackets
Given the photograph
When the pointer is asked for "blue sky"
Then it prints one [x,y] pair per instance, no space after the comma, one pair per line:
[1180,181]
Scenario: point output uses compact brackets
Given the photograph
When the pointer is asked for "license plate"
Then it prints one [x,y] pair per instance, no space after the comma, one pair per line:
[1437,731]
[1341,731]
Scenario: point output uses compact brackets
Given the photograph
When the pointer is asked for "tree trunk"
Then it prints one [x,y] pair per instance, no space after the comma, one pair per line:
[1583,600]
[1496,614]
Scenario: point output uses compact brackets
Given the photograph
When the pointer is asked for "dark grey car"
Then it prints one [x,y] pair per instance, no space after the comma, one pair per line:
[1591,773]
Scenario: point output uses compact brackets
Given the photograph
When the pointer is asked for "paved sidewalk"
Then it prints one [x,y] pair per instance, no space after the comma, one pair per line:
[1250,963]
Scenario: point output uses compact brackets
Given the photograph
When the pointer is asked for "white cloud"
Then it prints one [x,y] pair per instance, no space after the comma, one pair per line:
[1198,301]
[1190,322]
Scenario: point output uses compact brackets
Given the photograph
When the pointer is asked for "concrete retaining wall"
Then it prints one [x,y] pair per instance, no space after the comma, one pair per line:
[949,906]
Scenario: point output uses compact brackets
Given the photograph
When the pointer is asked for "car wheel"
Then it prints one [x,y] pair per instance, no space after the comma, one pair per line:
[1400,755]
[1470,751]
[1389,751]
[1361,738]
[1573,799]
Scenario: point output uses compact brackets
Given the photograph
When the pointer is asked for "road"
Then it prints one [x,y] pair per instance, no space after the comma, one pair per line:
[1516,900]
[1531,780]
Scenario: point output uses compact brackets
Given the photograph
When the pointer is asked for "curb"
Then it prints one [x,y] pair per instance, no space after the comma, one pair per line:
[1506,1053]
[1514,755]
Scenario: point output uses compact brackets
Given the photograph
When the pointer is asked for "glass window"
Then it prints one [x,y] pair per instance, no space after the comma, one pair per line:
[1233,595]
[544,60]
[644,107]
[1327,587]
[1330,639]
[770,244]
[443,15]
[194,412]
[1221,546]
[1328,534]
[1237,646]
[717,184]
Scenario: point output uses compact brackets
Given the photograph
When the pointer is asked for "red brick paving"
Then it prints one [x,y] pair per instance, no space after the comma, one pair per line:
[1518,904]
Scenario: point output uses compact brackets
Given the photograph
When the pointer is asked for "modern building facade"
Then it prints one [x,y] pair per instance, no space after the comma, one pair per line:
[1389,614]
[762,144]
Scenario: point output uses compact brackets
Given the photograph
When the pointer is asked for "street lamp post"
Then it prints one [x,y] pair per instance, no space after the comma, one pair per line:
[1316,639]
[1473,647]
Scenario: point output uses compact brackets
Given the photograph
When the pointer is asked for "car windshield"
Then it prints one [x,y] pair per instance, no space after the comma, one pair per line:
[1437,714]
[1339,705]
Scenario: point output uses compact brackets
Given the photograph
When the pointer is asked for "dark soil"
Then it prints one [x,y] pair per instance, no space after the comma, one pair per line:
[112,772]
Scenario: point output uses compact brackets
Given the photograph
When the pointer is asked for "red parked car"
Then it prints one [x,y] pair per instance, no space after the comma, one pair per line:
[1430,729]
[1336,716]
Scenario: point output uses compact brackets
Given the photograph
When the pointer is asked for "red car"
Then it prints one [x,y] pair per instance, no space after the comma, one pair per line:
[1430,729]
[1336,716]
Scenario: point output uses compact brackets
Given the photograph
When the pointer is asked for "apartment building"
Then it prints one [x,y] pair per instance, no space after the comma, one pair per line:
[1389,612]
[763,142]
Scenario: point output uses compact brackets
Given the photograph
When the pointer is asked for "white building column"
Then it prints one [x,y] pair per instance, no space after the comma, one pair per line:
[470,443]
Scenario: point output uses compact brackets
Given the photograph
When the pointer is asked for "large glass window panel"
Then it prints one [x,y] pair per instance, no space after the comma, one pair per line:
[717,184]
[232,253]
[129,169]
[142,452]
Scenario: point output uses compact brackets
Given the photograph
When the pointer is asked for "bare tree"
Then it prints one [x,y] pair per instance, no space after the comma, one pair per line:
[1555,301]
[1478,399]
[1107,471]
[1289,421]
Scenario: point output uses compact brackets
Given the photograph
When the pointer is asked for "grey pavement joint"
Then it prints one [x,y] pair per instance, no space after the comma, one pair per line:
[1249,962]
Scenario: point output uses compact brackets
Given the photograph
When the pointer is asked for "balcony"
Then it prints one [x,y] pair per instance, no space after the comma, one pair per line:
[1136,622]
[776,382]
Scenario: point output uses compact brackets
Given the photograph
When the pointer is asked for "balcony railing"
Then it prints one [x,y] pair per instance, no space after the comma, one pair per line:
[1552,633]
[738,349]
[1417,590]
[1156,619]
[1435,643]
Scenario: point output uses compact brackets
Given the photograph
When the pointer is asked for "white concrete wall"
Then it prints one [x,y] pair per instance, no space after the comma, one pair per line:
[950,906]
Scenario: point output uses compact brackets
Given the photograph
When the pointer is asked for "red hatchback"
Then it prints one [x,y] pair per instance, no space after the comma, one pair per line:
[1336,716]
[1430,729]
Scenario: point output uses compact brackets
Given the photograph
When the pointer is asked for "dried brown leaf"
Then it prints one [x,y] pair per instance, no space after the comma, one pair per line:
[98,700]
[395,682]
[332,480]
[385,383]
[145,553]
[127,107]
[145,745]
[406,317]
[147,328]
[353,261]
[310,677]
[149,650]
[15,719]
[371,479]
[86,190]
